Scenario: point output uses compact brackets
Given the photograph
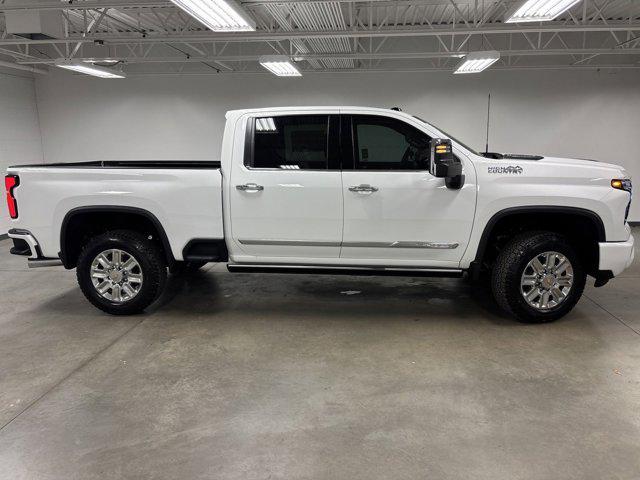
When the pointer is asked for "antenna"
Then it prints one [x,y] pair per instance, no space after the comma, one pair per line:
[488,112]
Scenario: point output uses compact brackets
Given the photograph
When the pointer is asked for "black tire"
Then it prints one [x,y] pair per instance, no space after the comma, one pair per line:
[509,268]
[146,253]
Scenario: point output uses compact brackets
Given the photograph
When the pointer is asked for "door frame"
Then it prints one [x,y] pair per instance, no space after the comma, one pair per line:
[347,150]
[243,135]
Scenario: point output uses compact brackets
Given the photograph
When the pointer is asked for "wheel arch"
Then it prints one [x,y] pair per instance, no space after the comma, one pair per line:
[137,219]
[557,218]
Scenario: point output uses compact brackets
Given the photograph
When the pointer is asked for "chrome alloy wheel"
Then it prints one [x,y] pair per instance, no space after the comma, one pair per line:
[547,280]
[116,275]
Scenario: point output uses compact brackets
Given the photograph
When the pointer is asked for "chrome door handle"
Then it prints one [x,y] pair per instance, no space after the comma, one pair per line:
[250,187]
[363,188]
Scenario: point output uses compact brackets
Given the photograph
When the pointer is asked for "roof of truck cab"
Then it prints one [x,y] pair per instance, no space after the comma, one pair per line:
[312,109]
[348,109]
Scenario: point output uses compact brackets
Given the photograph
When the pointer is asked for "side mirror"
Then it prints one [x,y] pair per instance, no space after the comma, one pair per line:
[444,163]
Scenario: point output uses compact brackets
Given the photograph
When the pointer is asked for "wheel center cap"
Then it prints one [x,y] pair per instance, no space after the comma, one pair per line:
[548,281]
[115,275]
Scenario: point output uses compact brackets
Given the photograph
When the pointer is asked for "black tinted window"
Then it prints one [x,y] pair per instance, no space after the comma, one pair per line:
[383,143]
[296,142]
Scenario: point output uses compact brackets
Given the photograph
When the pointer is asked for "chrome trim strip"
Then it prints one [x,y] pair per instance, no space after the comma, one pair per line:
[433,245]
[308,243]
[294,243]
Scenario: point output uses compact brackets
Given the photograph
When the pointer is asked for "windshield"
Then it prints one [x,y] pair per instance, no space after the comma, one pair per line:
[451,137]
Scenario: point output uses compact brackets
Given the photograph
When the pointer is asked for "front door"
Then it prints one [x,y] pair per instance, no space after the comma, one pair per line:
[395,212]
[286,200]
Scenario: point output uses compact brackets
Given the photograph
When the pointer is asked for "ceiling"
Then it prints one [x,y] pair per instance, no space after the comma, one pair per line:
[155,37]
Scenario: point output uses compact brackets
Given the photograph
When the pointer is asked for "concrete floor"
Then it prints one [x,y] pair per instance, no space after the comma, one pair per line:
[266,376]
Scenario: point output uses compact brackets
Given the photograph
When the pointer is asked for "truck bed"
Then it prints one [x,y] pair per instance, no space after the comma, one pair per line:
[184,197]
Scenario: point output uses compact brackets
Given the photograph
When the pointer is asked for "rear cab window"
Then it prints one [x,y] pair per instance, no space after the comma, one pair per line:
[292,142]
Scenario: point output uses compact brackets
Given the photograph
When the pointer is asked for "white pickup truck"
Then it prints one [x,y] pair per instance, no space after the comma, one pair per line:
[330,190]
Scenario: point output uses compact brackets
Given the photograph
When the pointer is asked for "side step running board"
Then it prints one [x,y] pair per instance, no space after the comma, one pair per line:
[338,270]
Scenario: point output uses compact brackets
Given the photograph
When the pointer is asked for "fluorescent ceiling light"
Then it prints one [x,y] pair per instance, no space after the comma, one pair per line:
[280,65]
[476,62]
[265,125]
[94,70]
[539,10]
[100,60]
[218,15]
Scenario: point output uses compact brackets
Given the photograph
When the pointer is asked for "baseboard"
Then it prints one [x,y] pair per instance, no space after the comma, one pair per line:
[634,224]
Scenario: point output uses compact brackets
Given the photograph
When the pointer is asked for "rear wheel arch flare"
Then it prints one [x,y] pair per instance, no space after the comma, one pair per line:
[69,249]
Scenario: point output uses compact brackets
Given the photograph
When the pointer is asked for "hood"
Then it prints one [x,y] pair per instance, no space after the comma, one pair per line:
[615,170]
[586,165]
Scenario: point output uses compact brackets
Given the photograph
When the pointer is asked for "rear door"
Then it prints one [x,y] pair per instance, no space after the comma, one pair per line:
[286,196]
[395,211]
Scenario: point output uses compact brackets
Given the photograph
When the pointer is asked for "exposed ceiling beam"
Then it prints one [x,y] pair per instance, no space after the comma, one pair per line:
[88,5]
[26,68]
[368,33]
[359,56]
[395,70]
[93,4]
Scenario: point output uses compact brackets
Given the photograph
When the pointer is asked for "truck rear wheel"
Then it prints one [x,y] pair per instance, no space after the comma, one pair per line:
[538,277]
[121,272]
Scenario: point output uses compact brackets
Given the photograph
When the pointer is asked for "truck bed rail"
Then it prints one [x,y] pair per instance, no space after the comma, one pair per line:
[187,164]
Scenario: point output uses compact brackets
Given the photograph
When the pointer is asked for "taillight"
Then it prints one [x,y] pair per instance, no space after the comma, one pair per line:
[11,182]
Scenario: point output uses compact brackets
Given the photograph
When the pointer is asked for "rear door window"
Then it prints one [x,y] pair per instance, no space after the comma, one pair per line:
[293,142]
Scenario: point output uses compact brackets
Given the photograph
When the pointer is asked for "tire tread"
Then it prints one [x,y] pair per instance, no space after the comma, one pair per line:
[146,252]
[505,277]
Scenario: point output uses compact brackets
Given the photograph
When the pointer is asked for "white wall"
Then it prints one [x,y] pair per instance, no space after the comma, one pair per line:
[20,140]
[580,114]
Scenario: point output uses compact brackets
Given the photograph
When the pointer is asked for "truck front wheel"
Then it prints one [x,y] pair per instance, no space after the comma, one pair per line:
[121,272]
[538,277]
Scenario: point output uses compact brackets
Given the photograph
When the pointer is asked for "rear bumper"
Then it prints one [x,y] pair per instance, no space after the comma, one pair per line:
[36,259]
[29,239]
[615,257]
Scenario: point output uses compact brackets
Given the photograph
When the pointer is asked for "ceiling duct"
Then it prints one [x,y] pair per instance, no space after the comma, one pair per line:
[32,23]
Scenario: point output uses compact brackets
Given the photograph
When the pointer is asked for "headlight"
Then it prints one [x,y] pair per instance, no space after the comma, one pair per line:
[622,184]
